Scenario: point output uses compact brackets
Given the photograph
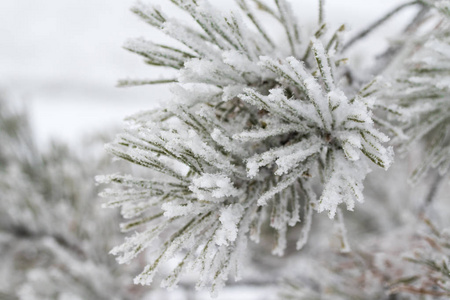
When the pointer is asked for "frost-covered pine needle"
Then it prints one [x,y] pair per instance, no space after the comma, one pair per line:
[252,125]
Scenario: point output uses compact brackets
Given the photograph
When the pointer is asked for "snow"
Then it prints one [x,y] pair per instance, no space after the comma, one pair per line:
[229,218]
[230,293]
[215,185]
[273,130]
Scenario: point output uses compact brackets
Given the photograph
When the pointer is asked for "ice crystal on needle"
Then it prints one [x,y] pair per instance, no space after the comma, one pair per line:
[255,130]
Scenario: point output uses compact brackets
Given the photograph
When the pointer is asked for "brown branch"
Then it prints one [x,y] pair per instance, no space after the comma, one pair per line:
[419,291]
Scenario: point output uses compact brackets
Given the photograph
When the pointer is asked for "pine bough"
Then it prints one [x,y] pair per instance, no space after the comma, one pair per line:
[53,236]
[255,134]
[422,88]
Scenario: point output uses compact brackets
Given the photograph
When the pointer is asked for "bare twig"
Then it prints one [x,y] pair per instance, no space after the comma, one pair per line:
[385,58]
[136,82]
[321,12]
[376,24]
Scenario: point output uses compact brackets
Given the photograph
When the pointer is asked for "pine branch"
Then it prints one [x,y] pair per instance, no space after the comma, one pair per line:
[245,146]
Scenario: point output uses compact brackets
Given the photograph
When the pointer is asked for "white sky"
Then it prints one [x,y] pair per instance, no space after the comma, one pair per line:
[64,57]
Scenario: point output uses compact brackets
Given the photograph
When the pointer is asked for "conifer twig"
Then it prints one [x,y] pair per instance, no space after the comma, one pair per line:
[432,193]
[137,82]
